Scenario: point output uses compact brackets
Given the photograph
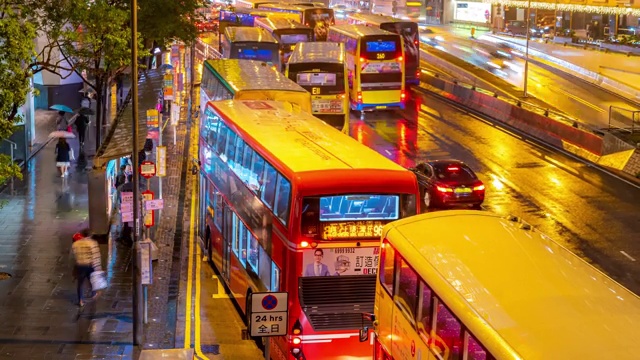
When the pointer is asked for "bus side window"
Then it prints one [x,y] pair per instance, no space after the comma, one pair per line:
[426,309]
[448,333]
[230,150]
[387,262]
[475,351]
[268,194]
[282,199]
[222,138]
[408,289]
[257,173]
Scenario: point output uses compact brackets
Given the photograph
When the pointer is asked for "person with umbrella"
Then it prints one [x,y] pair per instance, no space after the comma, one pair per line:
[81,127]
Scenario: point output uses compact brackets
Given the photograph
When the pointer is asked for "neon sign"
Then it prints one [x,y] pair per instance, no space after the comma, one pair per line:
[352,230]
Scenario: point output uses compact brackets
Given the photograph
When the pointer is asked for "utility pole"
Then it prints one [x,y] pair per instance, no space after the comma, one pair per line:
[526,50]
[137,288]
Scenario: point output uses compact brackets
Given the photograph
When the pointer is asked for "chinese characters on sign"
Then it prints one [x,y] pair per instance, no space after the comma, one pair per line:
[161,159]
[353,229]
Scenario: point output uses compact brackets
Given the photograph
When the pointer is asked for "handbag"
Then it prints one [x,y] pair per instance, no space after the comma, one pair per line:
[98,280]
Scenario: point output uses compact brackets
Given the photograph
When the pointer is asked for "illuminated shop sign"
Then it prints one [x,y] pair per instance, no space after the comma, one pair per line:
[352,230]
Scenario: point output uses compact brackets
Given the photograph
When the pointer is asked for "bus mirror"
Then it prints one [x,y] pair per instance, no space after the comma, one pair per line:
[364,334]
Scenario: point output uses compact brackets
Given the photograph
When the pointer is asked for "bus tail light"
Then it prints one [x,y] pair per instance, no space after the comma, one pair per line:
[403,95]
[296,340]
[359,96]
[399,58]
[340,96]
[418,74]
[415,42]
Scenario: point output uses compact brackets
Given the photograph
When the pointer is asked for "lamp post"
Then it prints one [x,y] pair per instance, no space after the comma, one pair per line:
[526,49]
[137,288]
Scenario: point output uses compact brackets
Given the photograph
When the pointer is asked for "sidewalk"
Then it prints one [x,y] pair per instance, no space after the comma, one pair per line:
[39,315]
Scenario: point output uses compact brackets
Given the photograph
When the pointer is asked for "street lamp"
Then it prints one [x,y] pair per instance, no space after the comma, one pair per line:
[526,49]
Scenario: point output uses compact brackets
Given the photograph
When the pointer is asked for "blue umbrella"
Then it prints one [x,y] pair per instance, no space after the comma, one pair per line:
[61,107]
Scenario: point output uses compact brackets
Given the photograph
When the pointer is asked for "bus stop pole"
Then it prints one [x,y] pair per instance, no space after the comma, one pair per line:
[267,349]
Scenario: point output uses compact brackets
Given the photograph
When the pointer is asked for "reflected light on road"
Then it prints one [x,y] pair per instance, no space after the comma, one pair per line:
[359,135]
[555,180]
[496,182]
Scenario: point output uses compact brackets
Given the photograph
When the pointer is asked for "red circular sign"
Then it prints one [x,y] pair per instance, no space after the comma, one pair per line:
[147,169]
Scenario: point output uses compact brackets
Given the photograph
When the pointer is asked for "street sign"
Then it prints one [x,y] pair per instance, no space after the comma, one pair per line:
[152,119]
[161,160]
[148,169]
[157,204]
[269,314]
[127,197]
[144,262]
[149,219]
[126,207]
[127,216]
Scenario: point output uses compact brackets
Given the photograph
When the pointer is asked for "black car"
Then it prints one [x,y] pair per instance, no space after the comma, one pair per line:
[448,182]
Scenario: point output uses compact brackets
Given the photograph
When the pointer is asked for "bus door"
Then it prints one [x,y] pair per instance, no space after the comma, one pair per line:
[227,229]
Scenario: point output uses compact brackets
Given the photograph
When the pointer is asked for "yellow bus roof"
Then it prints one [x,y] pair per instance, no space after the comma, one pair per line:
[249,34]
[243,75]
[377,19]
[301,142]
[318,52]
[276,23]
[356,31]
[513,285]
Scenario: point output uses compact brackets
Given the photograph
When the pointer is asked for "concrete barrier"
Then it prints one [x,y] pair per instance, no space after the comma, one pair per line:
[542,127]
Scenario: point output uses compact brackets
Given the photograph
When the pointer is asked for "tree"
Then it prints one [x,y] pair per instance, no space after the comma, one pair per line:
[96,40]
[17,50]
[160,21]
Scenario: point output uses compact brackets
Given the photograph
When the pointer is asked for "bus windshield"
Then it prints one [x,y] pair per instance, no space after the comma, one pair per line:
[380,47]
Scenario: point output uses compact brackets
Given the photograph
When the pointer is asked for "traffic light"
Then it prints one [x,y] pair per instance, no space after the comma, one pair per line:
[394,7]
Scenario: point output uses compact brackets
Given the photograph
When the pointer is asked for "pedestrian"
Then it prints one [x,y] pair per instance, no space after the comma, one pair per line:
[81,127]
[121,176]
[61,122]
[86,256]
[64,155]
[125,234]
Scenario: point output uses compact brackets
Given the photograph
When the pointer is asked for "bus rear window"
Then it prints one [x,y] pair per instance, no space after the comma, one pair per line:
[294,38]
[255,54]
[316,79]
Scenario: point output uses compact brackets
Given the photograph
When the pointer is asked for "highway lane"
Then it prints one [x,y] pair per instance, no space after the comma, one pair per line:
[594,214]
[576,98]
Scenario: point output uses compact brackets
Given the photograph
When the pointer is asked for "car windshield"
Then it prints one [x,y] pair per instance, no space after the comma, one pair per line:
[453,172]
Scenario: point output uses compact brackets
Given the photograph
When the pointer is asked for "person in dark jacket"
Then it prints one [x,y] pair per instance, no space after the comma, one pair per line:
[81,126]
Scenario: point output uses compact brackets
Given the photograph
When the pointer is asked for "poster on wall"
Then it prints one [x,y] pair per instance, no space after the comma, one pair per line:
[472,11]
[340,261]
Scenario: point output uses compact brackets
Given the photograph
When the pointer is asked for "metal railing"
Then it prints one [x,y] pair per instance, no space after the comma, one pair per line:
[13,147]
[624,119]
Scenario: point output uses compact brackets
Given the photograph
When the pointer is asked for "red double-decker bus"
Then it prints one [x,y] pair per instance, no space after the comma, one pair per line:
[288,203]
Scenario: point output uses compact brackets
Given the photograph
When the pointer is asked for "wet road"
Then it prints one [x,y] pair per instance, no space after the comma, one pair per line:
[594,214]
[579,99]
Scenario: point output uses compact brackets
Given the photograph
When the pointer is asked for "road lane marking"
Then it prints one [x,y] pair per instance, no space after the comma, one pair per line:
[627,255]
[576,98]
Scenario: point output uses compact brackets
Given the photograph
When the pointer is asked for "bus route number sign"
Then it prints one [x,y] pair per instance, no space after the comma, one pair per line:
[269,314]
[380,56]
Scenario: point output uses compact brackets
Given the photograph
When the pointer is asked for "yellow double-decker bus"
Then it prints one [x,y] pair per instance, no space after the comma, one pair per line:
[477,286]
[375,60]
[321,68]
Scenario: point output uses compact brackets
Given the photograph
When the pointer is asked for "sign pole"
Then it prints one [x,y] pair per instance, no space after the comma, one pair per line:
[267,349]
[159,144]
[137,288]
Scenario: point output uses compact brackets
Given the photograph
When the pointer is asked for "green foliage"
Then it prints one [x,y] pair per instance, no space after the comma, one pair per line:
[16,51]
[162,21]
[8,169]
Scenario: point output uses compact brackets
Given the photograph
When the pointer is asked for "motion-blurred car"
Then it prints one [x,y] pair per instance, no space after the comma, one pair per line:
[430,36]
[341,11]
[497,58]
[446,183]
[547,31]
[516,28]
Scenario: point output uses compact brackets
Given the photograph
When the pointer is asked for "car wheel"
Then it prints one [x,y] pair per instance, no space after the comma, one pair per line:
[427,199]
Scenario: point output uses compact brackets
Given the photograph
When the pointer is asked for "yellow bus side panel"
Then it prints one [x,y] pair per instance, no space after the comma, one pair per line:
[302,99]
